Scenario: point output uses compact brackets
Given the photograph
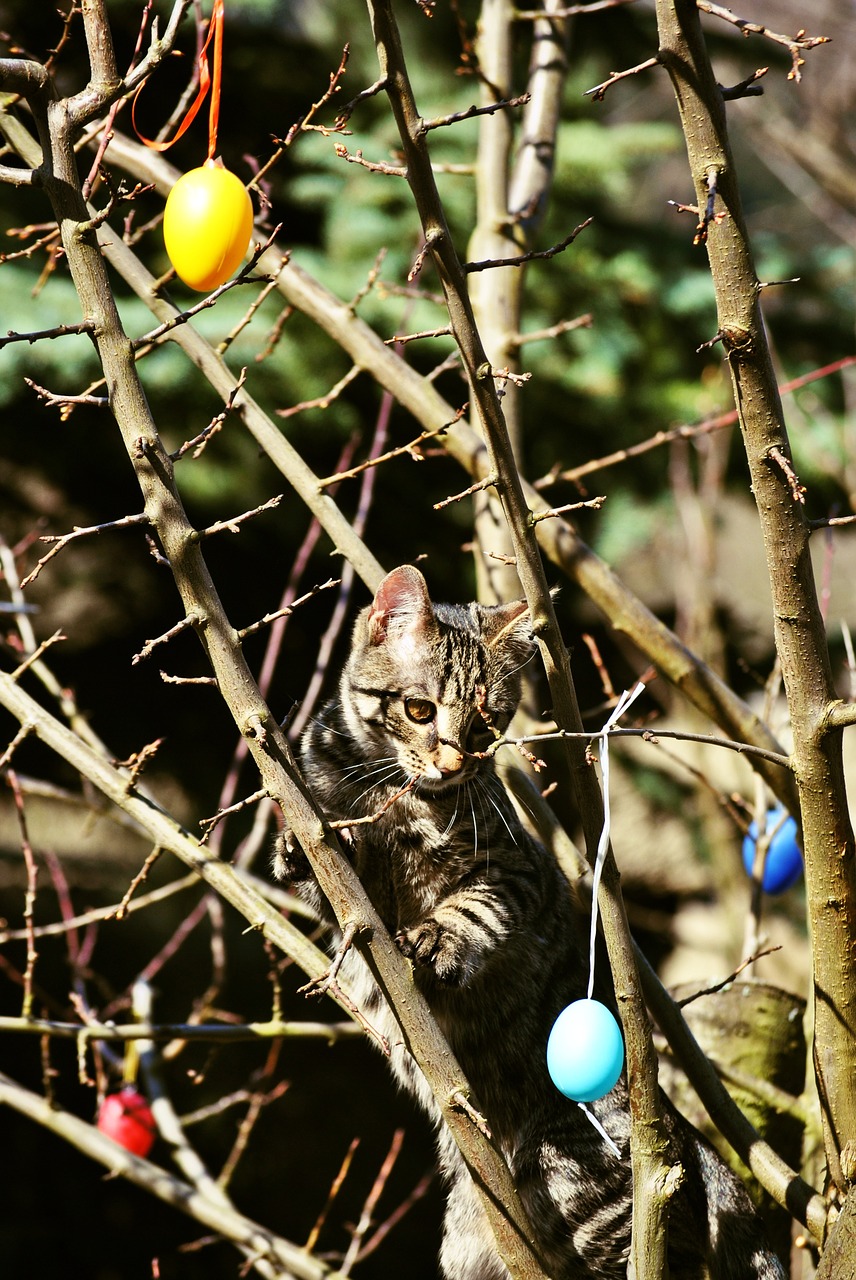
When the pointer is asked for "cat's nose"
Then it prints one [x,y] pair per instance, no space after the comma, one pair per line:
[449,760]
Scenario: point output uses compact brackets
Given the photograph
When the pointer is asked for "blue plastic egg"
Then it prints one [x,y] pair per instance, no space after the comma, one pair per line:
[784,864]
[585,1051]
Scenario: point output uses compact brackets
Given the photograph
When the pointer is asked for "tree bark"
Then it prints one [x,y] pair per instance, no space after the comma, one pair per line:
[799,630]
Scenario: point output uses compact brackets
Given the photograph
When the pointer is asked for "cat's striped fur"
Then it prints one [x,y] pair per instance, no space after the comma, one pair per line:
[495,938]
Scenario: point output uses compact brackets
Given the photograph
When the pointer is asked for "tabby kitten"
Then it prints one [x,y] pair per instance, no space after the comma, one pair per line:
[496,941]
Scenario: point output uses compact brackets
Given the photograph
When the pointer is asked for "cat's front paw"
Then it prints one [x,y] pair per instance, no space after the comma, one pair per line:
[290,863]
[436,947]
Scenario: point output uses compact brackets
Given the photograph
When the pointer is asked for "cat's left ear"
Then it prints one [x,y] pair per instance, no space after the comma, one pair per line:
[508,623]
[401,607]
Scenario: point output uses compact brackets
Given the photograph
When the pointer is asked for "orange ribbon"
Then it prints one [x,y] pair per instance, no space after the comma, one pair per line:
[207,80]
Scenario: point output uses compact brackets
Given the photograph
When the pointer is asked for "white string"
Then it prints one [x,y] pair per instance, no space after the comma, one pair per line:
[591,1116]
[603,844]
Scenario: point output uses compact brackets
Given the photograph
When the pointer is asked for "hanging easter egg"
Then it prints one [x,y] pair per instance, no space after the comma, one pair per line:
[207,224]
[126,1117]
[784,864]
[585,1051]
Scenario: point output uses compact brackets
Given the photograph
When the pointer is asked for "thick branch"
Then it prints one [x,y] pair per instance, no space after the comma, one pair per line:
[265,740]
[799,629]
[288,1259]
[648,1138]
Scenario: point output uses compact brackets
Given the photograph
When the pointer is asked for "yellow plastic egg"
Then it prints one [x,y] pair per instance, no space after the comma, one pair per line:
[207,224]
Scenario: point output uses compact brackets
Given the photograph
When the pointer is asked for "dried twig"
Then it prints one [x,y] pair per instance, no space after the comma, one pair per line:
[366,1216]
[30,894]
[374,166]
[233,525]
[686,432]
[786,466]
[142,875]
[794,44]
[555,330]
[718,986]
[344,824]
[287,610]
[490,109]
[323,402]
[58,331]
[190,620]
[598,93]
[591,504]
[62,540]
[533,256]
[208,824]
[335,1188]
[410,448]
[199,442]
[487,483]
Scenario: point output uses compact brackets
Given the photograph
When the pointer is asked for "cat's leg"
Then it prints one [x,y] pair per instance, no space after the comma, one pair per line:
[467,928]
[468,1250]
[738,1250]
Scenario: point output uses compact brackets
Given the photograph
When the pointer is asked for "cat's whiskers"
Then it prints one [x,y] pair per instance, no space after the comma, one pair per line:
[485,785]
[469,792]
[381,777]
[361,767]
[512,671]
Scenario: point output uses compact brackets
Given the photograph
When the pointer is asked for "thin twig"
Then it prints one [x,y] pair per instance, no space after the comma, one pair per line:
[288,609]
[373,166]
[58,331]
[533,256]
[598,93]
[335,1188]
[190,620]
[366,1216]
[591,504]
[62,540]
[233,525]
[30,893]
[410,448]
[686,432]
[794,44]
[492,107]
[323,402]
[208,824]
[199,442]
[344,824]
[719,986]
[487,483]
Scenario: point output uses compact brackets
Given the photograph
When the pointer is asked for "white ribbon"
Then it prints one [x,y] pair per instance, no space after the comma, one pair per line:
[626,699]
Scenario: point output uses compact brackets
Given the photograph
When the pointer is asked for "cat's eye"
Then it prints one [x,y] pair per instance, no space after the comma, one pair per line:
[419,710]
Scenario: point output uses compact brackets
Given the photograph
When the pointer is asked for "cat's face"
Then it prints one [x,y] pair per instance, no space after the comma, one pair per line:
[431,687]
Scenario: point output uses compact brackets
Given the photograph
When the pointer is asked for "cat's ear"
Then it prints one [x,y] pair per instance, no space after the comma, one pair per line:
[401,607]
[508,624]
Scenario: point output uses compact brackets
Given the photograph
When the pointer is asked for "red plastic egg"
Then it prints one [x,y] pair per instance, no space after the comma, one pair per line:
[127,1118]
[207,224]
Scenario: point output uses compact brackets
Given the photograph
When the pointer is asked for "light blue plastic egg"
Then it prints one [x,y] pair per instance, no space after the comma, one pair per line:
[585,1051]
[783,865]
